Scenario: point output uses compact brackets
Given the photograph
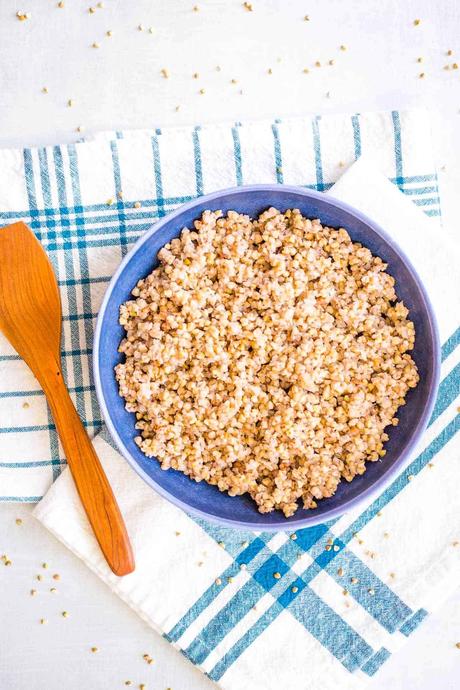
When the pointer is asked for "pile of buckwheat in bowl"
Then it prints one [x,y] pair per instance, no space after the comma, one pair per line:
[266,356]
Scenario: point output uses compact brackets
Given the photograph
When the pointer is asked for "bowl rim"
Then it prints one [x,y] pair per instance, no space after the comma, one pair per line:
[379,486]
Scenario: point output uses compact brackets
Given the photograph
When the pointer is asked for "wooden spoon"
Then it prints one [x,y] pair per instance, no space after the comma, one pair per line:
[30,317]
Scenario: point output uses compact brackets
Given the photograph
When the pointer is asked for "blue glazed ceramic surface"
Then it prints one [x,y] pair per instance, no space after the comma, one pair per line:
[207,501]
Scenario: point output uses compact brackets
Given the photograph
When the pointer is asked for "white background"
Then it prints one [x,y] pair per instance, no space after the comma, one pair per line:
[119,85]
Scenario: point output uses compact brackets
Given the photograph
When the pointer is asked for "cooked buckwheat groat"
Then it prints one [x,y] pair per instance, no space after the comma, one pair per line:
[266,356]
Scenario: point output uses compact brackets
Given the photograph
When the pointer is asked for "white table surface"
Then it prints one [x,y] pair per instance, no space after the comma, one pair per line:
[119,85]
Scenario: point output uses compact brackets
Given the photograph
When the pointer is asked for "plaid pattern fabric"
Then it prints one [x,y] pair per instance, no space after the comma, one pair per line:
[338,610]
[80,201]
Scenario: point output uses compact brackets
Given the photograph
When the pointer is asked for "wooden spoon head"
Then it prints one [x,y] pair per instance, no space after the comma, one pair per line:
[30,306]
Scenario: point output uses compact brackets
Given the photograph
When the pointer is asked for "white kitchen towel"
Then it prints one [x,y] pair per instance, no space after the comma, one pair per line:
[336,614]
[88,202]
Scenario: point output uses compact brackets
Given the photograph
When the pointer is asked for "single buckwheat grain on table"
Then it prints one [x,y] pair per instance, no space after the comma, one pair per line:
[266,356]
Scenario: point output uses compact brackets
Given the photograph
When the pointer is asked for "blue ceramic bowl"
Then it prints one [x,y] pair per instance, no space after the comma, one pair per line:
[207,501]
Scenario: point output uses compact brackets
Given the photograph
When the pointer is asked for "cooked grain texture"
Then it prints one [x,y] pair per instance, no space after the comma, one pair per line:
[266,357]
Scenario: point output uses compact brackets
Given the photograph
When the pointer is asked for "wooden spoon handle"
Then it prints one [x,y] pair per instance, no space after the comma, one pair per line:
[92,484]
